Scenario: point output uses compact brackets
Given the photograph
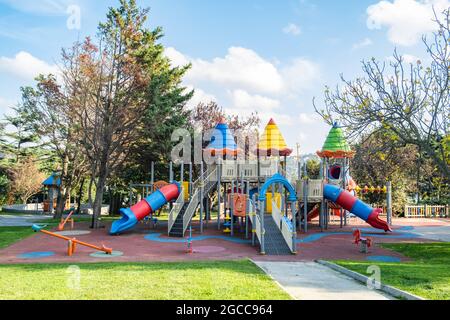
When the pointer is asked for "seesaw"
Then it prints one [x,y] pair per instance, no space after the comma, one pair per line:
[63,222]
[72,242]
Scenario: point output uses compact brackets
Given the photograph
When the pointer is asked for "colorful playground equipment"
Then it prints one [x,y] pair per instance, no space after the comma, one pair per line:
[131,216]
[354,205]
[254,195]
[71,242]
[335,193]
[64,221]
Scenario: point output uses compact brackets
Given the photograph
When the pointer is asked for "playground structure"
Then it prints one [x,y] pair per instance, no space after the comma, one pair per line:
[71,242]
[51,186]
[254,196]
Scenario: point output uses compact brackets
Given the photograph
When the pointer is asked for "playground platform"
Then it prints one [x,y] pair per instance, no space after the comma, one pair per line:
[148,244]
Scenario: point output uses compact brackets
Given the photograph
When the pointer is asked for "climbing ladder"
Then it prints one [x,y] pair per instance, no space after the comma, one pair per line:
[182,212]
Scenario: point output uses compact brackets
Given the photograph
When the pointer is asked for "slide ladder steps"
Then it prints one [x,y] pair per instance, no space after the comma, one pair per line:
[274,241]
[177,229]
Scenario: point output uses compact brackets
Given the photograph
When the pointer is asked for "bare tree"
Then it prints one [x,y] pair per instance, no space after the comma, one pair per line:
[409,100]
[117,73]
[26,179]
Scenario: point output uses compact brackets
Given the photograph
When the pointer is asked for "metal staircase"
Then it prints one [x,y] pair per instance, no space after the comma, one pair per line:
[177,228]
[182,212]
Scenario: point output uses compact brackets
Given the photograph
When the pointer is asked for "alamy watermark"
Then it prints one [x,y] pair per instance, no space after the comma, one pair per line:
[374,280]
[74,17]
[73,278]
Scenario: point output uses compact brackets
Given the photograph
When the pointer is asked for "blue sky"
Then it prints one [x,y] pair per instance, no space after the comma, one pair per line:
[267,56]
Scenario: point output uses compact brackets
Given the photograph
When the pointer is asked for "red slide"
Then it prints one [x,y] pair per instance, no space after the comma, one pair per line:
[314,213]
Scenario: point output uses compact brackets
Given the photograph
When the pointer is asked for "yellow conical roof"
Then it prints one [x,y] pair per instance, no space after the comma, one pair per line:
[272,142]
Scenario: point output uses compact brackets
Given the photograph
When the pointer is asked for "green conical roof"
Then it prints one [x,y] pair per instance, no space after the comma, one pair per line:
[336,141]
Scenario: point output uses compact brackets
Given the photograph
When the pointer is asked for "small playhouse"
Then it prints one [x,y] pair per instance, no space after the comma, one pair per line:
[51,189]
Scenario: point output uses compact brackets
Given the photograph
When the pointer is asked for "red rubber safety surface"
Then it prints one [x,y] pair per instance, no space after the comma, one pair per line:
[337,246]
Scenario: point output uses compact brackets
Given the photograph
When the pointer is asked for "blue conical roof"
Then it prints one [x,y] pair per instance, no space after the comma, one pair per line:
[53,180]
[222,141]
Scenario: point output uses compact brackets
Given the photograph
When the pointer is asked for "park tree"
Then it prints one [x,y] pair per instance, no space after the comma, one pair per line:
[20,141]
[53,104]
[379,159]
[26,179]
[127,78]
[408,101]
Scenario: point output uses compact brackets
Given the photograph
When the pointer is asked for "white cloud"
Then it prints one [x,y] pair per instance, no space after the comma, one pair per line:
[41,7]
[199,96]
[6,105]
[244,69]
[240,68]
[241,99]
[406,20]
[301,74]
[292,29]
[308,118]
[366,42]
[177,58]
[25,66]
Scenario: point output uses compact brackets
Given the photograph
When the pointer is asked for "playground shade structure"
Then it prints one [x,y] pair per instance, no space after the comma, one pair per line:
[350,203]
[155,201]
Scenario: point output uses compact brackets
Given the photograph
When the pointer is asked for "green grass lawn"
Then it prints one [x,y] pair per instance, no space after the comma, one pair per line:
[155,281]
[427,275]
[10,235]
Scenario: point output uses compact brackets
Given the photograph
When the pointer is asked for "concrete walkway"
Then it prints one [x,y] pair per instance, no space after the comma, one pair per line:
[20,220]
[312,281]
[434,233]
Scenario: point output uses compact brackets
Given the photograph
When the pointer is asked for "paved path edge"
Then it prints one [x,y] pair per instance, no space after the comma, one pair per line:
[395,292]
[273,279]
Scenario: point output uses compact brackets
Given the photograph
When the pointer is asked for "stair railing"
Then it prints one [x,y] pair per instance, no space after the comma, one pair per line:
[206,181]
[283,225]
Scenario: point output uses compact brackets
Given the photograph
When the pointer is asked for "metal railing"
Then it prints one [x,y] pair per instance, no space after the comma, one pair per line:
[427,211]
[255,220]
[282,224]
[206,181]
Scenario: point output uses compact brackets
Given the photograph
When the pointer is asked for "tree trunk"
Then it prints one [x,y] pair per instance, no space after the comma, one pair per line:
[97,208]
[80,195]
[63,189]
[60,204]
